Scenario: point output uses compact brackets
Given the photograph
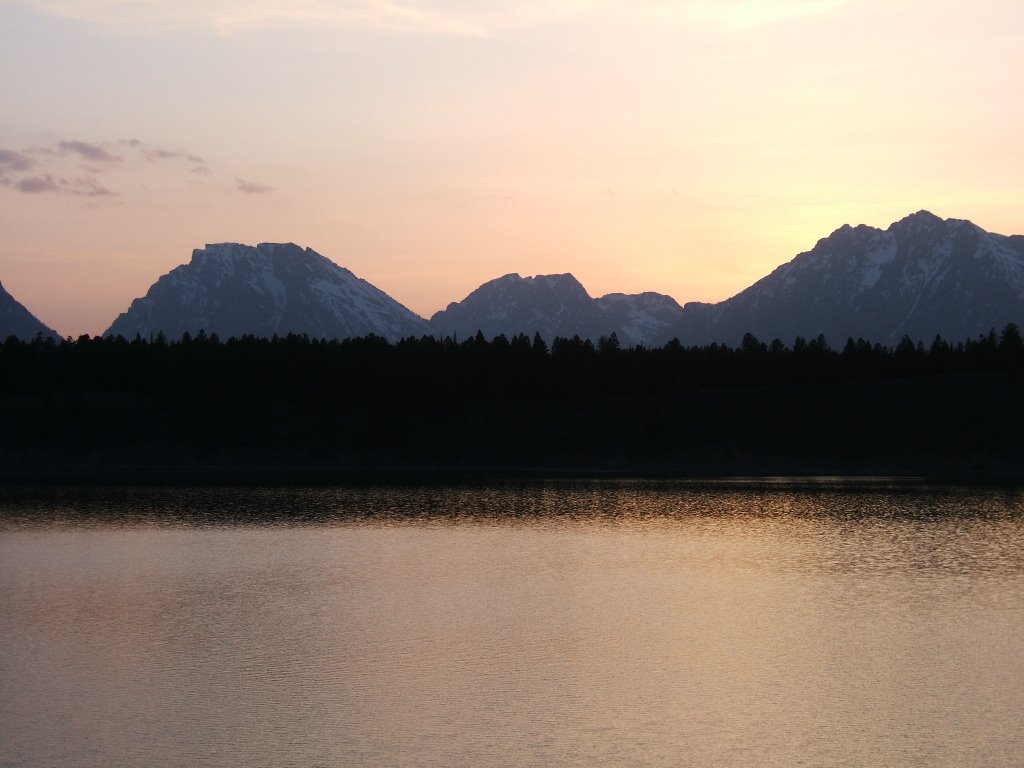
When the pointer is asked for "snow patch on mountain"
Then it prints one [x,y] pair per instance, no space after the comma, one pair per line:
[875,262]
[642,319]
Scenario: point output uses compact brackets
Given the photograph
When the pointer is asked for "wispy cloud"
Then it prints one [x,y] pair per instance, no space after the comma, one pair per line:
[160,154]
[92,152]
[99,171]
[11,161]
[50,170]
[434,17]
[252,187]
[80,186]
[154,153]
[86,186]
[58,168]
[35,185]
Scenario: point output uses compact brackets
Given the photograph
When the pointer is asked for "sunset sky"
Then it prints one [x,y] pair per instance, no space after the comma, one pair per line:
[682,147]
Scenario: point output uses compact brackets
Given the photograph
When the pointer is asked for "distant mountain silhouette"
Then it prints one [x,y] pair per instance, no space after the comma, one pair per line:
[920,277]
[558,305]
[17,321]
[232,290]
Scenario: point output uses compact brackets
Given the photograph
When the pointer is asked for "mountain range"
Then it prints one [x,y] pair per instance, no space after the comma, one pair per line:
[920,277]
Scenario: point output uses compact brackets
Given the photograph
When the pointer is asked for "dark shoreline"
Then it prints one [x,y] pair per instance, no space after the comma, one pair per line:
[754,472]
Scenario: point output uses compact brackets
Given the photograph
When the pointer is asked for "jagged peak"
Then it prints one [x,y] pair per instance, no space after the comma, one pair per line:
[646,297]
[565,280]
[556,276]
[215,253]
[231,244]
[245,249]
[922,215]
[230,255]
[845,234]
[920,220]
[566,277]
[288,245]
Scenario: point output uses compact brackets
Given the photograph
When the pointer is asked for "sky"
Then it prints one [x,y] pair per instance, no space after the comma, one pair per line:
[429,146]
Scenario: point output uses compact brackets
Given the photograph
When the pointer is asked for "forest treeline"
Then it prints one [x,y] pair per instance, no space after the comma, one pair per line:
[296,367]
[515,402]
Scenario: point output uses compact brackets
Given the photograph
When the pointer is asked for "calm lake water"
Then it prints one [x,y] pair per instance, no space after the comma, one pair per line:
[541,624]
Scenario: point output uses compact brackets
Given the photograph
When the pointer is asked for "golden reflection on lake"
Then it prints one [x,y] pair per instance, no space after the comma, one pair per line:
[762,624]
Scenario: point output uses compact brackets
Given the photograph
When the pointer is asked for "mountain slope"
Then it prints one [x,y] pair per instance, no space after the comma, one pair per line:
[642,318]
[557,305]
[920,277]
[17,321]
[232,289]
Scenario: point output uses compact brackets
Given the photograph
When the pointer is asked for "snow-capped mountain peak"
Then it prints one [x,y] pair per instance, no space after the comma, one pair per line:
[233,289]
[922,276]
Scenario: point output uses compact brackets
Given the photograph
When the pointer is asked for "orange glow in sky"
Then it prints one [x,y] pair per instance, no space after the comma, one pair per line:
[682,147]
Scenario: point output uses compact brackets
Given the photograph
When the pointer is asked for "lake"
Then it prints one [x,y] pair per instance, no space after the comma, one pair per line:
[599,623]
